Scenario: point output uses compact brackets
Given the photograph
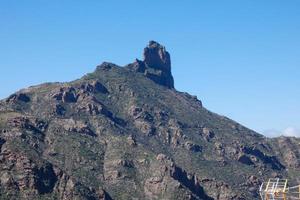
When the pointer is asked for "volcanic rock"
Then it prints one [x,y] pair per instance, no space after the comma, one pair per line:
[127,133]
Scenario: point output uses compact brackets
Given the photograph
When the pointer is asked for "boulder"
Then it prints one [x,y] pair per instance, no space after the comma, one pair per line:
[131,141]
[207,134]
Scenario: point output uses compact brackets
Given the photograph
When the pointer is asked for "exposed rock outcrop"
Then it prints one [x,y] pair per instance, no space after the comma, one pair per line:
[171,175]
[18,97]
[156,64]
[290,150]
[126,133]
[94,86]
[66,95]
[76,126]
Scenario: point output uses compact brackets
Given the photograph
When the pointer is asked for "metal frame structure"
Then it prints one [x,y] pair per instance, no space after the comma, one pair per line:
[277,189]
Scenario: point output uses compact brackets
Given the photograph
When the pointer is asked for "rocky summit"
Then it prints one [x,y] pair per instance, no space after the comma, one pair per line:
[127,133]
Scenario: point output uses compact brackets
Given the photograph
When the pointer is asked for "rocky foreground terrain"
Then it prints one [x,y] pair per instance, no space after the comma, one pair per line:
[127,133]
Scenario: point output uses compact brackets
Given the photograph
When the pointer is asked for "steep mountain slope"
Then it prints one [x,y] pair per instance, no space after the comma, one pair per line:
[126,133]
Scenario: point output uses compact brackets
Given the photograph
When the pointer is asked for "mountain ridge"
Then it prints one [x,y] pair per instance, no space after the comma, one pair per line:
[127,133]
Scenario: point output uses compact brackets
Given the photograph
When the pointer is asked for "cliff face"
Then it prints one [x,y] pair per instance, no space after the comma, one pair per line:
[126,133]
[156,65]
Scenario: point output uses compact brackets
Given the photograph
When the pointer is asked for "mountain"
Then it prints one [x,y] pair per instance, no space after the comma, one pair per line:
[127,133]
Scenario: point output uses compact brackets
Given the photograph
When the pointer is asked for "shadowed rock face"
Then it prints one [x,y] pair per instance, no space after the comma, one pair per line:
[156,56]
[46,179]
[126,133]
[156,64]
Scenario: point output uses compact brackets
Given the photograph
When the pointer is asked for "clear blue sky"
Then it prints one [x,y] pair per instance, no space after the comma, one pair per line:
[241,58]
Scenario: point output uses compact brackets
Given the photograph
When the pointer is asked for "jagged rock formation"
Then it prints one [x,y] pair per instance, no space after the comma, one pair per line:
[126,133]
[156,65]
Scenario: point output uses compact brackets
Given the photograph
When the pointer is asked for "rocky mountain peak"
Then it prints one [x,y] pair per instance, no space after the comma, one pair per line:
[156,64]
[156,56]
[115,134]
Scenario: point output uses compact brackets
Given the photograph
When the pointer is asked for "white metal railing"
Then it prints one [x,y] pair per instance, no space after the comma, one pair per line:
[277,189]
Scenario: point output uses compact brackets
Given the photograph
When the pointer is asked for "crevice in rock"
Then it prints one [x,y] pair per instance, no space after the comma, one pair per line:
[191,182]
[2,141]
[245,160]
[60,110]
[45,179]
[271,160]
